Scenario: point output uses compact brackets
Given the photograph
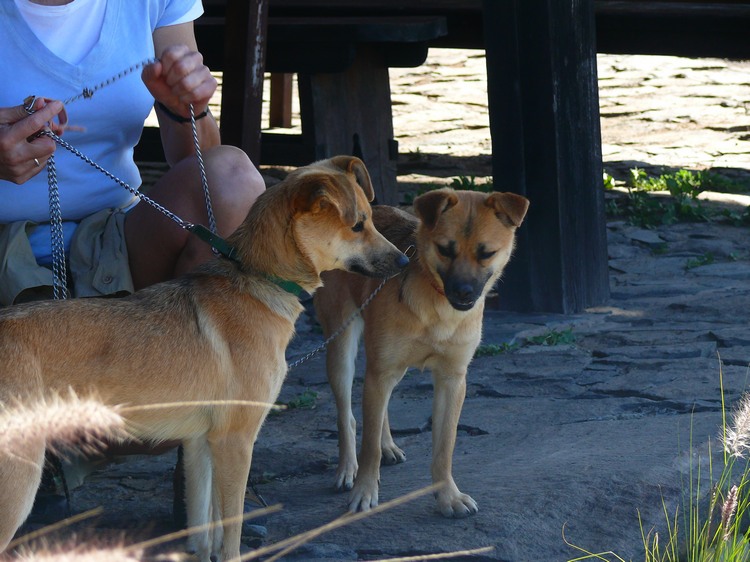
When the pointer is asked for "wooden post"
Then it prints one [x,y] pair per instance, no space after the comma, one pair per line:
[280,108]
[242,90]
[546,145]
[350,113]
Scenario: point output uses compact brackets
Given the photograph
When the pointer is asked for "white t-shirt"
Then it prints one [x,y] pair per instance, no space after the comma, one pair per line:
[37,59]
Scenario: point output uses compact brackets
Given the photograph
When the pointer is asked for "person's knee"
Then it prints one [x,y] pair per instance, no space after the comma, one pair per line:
[238,180]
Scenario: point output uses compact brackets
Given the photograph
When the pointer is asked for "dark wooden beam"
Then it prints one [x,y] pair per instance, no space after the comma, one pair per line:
[546,145]
[242,88]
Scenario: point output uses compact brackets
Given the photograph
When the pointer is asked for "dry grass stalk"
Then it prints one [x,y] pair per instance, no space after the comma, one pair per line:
[135,553]
[28,537]
[197,529]
[296,541]
[439,556]
[192,404]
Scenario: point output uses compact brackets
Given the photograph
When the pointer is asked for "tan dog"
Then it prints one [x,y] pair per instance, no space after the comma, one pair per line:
[430,316]
[216,334]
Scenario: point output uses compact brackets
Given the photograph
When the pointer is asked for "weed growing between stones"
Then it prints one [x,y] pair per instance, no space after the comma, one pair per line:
[551,337]
[466,183]
[676,200]
[709,525]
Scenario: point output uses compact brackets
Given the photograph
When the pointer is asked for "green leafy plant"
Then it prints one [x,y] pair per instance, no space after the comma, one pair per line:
[554,337]
[642,208]
[492,349]
[705,259]
[305,401]
[609,181]
[409,196]
[470,183]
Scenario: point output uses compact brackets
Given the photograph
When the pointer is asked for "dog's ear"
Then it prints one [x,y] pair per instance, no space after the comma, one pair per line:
[353,165]
[432,204]
[509,207]
[319,192]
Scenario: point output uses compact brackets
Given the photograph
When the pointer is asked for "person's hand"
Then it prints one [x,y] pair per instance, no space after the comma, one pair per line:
[23,154]
[180,78]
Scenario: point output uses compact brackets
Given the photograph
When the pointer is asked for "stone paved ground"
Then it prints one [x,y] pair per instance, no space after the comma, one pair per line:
[581,436]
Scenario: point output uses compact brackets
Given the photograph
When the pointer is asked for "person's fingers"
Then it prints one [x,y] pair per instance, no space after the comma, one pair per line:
[173,55]
[196,88]
[37,121]
[9,115]
[151,71]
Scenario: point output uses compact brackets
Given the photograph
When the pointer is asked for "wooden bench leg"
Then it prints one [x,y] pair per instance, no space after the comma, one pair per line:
[280,107]
[339,106]
[546,145]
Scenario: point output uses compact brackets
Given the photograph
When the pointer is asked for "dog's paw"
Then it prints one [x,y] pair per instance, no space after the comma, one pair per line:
[456,505]
[391,455]
[363,497]
[197,549]
[345,475]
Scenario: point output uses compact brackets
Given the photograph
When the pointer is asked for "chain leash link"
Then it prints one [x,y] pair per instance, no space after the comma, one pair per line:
[339,331]
[87,93]
[142,196]
[204,179]
[59,270]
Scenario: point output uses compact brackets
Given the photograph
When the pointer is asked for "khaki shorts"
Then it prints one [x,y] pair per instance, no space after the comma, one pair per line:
[98,263]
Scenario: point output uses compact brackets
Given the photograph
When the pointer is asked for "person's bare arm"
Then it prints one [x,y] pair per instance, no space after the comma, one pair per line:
[176,80]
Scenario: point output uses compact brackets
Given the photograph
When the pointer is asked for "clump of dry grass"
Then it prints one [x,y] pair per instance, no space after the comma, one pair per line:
[706,527]
[63,422]
[736,437]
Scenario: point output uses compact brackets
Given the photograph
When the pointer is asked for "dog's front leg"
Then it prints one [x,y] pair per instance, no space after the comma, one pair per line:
[20,475]
[198,492]
[377,392]
[232,456]
[450,391]
[340,366]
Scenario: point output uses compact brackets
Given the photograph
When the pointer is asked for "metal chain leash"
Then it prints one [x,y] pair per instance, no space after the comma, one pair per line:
[59,272]
[142,196]
[59,269]
[87,93]
[204,179]
[340,330]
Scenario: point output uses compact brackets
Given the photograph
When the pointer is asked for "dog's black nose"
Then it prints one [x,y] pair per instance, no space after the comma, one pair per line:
[402,261]
[463,290]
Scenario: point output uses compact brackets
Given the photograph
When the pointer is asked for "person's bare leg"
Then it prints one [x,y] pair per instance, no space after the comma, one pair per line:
[158,248]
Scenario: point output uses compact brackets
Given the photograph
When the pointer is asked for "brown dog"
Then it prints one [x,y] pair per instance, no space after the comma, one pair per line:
[430,316]
[216,334]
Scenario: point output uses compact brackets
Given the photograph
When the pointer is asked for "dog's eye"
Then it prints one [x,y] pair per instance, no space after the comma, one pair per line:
[483,254]
[359,227]
[448,251]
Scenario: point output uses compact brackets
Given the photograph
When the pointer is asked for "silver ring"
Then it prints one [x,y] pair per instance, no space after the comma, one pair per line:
[28,104]
[38,165]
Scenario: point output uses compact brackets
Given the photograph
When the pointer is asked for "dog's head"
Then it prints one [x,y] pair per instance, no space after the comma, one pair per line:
[333,219]
[465,240]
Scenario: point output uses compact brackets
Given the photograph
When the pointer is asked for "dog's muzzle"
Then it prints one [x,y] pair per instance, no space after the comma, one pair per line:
[388,266]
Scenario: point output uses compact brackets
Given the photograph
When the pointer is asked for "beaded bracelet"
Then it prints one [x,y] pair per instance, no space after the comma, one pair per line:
[180,118]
